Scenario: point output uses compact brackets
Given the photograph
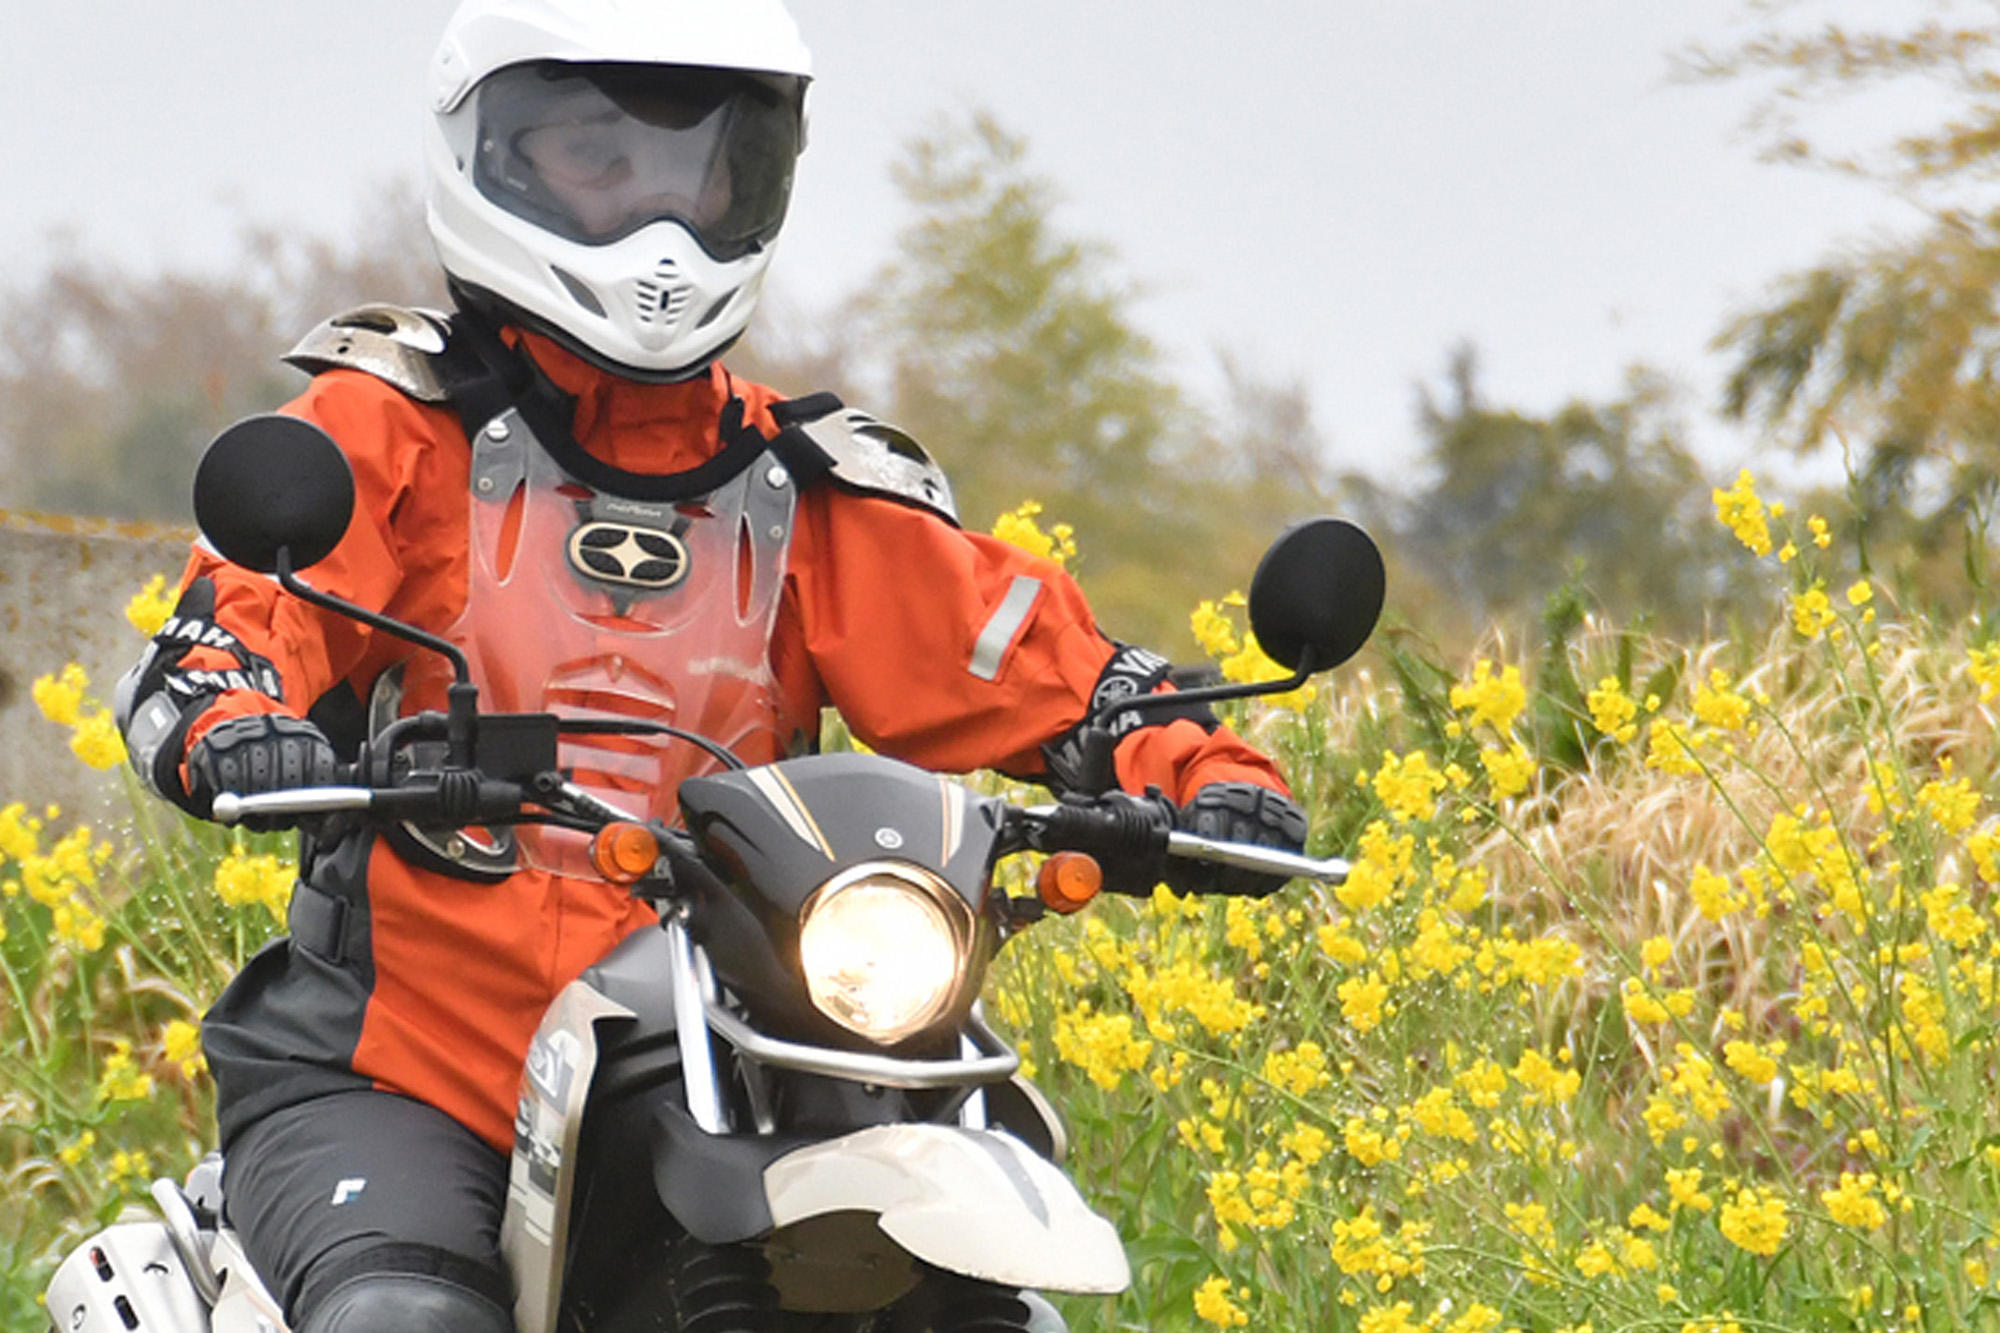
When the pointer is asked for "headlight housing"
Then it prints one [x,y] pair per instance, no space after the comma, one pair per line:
[884,948]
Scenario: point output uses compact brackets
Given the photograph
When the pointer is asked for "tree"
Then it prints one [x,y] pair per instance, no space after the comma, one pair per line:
[112,381]
[1888,348]
[1009,351]
[1601,495]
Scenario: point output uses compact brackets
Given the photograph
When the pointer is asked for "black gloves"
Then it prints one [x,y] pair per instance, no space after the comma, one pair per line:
[1127,834]
[1236,812]
[247,755]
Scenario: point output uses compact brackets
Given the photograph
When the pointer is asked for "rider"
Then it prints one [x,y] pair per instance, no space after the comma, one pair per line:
[564,479]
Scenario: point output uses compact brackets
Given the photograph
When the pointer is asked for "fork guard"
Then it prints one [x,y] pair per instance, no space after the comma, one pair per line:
[975,1202]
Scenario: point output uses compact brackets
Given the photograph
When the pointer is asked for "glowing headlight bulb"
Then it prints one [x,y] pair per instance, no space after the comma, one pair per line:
[880,957]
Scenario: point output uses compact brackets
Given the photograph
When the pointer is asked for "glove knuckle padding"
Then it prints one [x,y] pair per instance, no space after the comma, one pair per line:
[1241,812]
[247,755]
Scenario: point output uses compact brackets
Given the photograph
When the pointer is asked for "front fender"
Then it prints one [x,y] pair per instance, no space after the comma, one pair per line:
[976,1202]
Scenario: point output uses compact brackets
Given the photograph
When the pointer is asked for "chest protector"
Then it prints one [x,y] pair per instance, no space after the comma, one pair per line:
[589,603]
[596,606]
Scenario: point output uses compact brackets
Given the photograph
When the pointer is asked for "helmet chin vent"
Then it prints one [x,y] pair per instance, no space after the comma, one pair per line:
[661,298]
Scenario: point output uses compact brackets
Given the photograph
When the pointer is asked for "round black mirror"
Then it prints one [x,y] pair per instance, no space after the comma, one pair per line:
[1317,591]
[269,483]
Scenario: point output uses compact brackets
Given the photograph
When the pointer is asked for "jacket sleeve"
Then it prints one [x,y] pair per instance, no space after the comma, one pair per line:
[956,650]
[237,645]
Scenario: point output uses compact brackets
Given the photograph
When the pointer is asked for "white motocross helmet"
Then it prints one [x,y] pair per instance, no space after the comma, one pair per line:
[614,173]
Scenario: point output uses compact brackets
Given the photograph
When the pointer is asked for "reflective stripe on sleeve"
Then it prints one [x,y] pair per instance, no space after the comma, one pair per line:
[1004,624]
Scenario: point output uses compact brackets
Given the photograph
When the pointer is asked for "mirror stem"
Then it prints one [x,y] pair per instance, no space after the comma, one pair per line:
[462,694]
[1100,741]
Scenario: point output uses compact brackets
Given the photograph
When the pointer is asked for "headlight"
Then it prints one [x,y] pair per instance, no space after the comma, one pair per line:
[883,950]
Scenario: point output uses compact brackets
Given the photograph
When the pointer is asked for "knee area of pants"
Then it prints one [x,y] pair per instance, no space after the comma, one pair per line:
[400,1303]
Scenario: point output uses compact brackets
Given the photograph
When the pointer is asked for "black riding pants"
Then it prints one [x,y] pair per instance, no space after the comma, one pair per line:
[363,1184]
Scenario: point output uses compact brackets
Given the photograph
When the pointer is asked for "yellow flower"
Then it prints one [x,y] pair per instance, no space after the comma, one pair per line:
[1684,1189]
[1021,529]
[1477,1318]
[129,1165]
[1611,711]
[1297,1071]
[1212,1304]
[1544,961]
[1308,1143]
[18,832]
[1860,593]
[1742,513]
[1545,1082]
[180,1043]
[95,740]
[1641,1007]
[1983,664]
[1812,612]
[1751,1062]
[150,606]
[1668,749]
[1713,895]
[242,878]
[1213,630]
[1495,700]
[1438,1113]
[1716,705]
[1645,1216]
[122,1080]
[1369,1145]
[1510,770]
[1389,1319]
[1853,1204]
[1595,1260]
[60,696]
[1102,1045]
[77,1149]
[1362,1000]
[1950,917]
[76,924]
[1483,1083]
[1249,666]
[1754,1220]
[1340,946]
[1409,787]
[1951,805]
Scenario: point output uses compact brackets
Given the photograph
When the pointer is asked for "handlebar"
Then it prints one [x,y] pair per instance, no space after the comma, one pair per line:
[1116,826]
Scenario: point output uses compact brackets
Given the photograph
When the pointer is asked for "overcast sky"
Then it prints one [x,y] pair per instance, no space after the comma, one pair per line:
[1334,191]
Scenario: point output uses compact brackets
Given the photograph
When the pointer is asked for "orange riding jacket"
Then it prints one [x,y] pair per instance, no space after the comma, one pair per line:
[425,984]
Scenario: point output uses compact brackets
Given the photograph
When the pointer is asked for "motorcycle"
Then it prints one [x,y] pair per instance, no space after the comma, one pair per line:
[783,1108]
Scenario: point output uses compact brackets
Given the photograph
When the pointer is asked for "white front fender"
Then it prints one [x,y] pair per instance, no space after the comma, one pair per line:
[976,1202]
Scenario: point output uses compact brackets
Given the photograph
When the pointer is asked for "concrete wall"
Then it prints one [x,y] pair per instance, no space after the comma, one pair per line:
[64,584]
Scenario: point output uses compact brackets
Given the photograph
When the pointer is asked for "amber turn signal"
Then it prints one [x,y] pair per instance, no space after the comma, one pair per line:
[624,853]
[1068,880]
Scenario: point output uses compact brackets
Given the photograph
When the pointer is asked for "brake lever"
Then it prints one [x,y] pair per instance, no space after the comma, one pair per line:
[472,802]
[1249,856]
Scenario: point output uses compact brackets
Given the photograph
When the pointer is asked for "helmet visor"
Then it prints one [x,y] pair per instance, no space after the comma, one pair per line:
[595,152]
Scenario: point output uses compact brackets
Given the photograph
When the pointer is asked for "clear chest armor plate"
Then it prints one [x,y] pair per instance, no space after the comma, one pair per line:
[591,605]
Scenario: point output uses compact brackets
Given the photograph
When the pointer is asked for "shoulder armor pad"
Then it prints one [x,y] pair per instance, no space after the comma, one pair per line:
[862,454]
[402,347]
